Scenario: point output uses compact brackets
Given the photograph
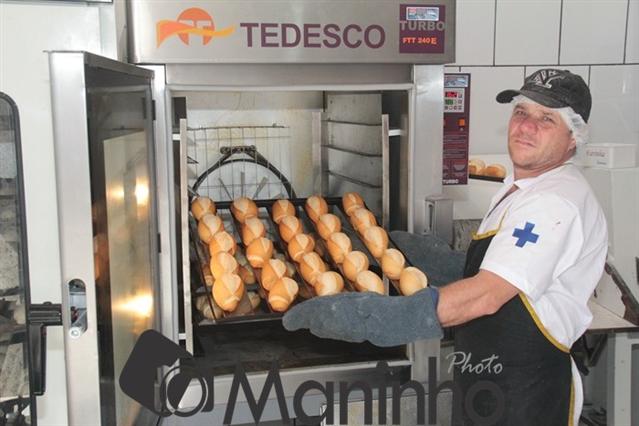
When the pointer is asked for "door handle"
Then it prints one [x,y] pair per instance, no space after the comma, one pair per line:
[41,316]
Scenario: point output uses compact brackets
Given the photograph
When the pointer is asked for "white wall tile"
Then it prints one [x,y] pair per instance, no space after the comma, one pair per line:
[527,32]
[475,26]
[593,31]
[615,104]
[489,119]
[632,38]
[582,71]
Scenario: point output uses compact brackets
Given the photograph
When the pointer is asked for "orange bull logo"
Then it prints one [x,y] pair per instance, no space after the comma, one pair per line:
[191,21]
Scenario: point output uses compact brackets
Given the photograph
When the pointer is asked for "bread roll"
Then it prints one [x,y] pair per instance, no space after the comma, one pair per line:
[228,291]
[328,283]
[223,263]
[376,240]
[282,208]
[201,206]
[495,170]
[273,270]
[289,227]
[311,265]
[208,310]
[393,263]
[254,299]
[328,224]
[339,245]
[412,280]
[208,276]
[247,275]
[369,281]
[282,294]
[252,229]
[243,208]
[208,226]
[354,263]
[315,207]
[351,201]
[476,166]
[300,245]
[259,251]
[362,219]
[222,241]
[290,268]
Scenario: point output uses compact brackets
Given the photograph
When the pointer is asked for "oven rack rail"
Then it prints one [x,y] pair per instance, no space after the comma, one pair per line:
[263,312]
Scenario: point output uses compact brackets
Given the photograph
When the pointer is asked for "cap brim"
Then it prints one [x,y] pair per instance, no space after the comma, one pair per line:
[507,96]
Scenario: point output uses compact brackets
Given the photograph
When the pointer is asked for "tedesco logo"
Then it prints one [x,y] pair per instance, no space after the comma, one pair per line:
[153,350]
[191,21]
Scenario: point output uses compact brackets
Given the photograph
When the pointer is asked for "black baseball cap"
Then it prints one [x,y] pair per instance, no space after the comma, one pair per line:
[554,89]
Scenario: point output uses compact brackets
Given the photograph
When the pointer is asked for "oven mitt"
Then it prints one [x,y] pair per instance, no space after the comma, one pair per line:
[356,317]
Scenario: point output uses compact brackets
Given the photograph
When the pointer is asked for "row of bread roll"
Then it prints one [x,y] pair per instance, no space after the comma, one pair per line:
[478,167]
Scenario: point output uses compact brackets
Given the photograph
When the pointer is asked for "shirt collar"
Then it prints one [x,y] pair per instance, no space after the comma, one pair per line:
[523,183]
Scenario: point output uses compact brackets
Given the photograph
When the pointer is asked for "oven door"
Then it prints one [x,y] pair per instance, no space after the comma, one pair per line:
[103,130]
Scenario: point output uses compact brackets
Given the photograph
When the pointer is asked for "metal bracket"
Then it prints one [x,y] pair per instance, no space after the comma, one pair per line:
[41,316]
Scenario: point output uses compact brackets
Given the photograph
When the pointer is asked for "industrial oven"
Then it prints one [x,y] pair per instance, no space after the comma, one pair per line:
[260,99]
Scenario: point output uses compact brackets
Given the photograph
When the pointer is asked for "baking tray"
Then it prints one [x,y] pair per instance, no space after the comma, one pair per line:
[263,312]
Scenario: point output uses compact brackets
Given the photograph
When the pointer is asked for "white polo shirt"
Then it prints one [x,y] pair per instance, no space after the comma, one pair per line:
[551,243]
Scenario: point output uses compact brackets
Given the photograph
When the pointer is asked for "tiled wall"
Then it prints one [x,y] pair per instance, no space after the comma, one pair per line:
[501,41]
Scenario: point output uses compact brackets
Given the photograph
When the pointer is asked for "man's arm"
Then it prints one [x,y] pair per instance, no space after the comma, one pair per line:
[473,297]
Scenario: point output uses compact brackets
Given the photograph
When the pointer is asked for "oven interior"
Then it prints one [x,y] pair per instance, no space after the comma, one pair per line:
[282,144]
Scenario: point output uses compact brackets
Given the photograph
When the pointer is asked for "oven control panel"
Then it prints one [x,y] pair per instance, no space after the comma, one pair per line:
[456,121]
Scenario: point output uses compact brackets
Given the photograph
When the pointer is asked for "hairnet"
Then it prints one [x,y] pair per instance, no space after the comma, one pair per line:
[576,124]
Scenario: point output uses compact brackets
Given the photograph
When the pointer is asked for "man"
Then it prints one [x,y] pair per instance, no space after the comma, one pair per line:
[529,272]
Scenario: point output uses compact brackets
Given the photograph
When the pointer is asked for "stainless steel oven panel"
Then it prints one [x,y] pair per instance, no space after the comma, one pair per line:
[291,380]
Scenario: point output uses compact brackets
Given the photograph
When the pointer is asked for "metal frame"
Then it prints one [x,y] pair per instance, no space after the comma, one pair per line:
[71,135]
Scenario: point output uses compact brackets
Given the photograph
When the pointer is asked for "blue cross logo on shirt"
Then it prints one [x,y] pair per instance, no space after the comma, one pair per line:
[525,235]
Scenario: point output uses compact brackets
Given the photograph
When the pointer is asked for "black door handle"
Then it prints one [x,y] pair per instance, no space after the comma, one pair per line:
[41,315]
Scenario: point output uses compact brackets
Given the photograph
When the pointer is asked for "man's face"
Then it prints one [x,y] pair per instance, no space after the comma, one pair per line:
[538,139]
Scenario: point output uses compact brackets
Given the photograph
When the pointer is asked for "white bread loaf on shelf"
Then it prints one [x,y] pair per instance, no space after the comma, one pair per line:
[376,240]
[362,219]
[208,226]
[339,245]
[393,263]
[476,166]
[222,241]
[495,170]
[254,299]
[259,251]
[311,265]
[201,206]
[282,294]
[282,208]
[315,207]
[228,291]
[412,280]
[209,310]
[289,227]
[369,281]
[243,208]
[328,224]
[354,263]
[328,283]
[300,245]
[273,270]
[252,229]
[223,263]
[352,201]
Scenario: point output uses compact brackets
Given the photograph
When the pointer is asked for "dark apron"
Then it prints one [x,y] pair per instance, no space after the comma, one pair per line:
[534,383]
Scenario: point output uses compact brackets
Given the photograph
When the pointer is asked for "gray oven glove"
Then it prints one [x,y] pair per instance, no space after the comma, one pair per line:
[356,317]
